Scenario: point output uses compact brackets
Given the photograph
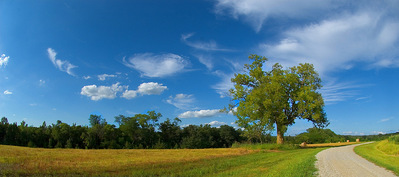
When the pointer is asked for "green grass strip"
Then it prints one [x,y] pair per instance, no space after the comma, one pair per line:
[375,155]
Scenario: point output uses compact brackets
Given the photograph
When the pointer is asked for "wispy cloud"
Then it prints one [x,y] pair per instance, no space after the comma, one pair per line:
[386,119]
[102,77]
[86,77]
[202,45]
[334,92]
[42,82]
[62,65]
[255,12]
[182,101]
[4,60]
[7,92]
[152,65]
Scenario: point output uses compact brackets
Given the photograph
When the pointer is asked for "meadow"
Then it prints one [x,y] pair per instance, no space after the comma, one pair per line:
[23,161]
[382,153]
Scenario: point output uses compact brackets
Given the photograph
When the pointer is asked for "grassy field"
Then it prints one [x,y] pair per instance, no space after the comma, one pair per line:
[382,153]
[182,162]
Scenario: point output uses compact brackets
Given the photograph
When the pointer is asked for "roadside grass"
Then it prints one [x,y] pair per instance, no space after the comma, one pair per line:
[287,146]
[22,161]
[330,144]
[381,153]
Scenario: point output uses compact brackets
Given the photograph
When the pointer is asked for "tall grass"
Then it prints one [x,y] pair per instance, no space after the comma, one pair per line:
[22,161]
[383,153]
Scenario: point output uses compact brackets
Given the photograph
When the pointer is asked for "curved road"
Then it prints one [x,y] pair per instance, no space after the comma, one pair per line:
[343,161]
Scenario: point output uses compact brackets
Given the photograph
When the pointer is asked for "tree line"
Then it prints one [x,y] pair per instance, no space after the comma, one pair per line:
[142,131]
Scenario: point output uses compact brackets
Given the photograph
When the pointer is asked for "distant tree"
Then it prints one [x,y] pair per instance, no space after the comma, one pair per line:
[170,133]
[265,99]
[140,130]
[228,135]
[3,129]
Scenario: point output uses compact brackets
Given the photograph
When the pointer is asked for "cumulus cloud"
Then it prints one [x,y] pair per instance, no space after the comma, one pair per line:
[182,101]
[100,92]
[216,123]
[102,77]
[255,12]
[4,60]
[200,113]
[151,88]
[64,66]
[6,92]
[152,65]
[129,94]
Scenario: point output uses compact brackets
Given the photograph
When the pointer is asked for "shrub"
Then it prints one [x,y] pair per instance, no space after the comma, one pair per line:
[394,139]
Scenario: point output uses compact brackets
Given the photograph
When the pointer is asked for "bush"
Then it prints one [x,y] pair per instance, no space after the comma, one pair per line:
[394,139]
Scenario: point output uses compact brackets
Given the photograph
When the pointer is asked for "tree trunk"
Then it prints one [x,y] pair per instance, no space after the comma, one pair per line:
[280,135]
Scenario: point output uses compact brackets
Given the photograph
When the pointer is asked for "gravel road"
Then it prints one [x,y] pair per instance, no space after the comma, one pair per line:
[343,161]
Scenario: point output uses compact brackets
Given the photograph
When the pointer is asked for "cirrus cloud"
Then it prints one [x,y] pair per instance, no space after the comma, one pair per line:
[64,66]
[182,101]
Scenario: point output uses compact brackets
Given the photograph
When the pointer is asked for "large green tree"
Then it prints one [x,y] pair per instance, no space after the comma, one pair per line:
[265,100]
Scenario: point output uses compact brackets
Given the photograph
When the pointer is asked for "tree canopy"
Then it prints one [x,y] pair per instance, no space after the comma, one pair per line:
[265,100]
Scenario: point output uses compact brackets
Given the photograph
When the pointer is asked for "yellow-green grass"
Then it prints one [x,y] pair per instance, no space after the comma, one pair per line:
[381,153]
[182,162]
[330,144]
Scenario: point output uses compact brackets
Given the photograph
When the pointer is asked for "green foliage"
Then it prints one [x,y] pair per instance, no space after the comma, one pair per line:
[394,139]
[140,131]
[316,135]
[274,99]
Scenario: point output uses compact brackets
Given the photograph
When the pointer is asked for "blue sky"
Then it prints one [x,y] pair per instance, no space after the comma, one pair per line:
[65,60]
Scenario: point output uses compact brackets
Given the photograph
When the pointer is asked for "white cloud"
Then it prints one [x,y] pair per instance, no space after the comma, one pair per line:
[102,77]
[205,60]
[129,94]
[61,65]
[200,113]
[100,92]
[86,77]
[216,123]
[333,92]
[223,87]
[152,65]
[182,101]
[201,45]
[339,43]
[151,88]
[4,60]
[256,12]
[6,92]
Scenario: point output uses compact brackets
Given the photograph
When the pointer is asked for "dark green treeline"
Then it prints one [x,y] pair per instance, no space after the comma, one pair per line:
[142,131]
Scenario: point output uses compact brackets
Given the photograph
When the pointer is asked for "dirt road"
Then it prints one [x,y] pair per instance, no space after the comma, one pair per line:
[343,161]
